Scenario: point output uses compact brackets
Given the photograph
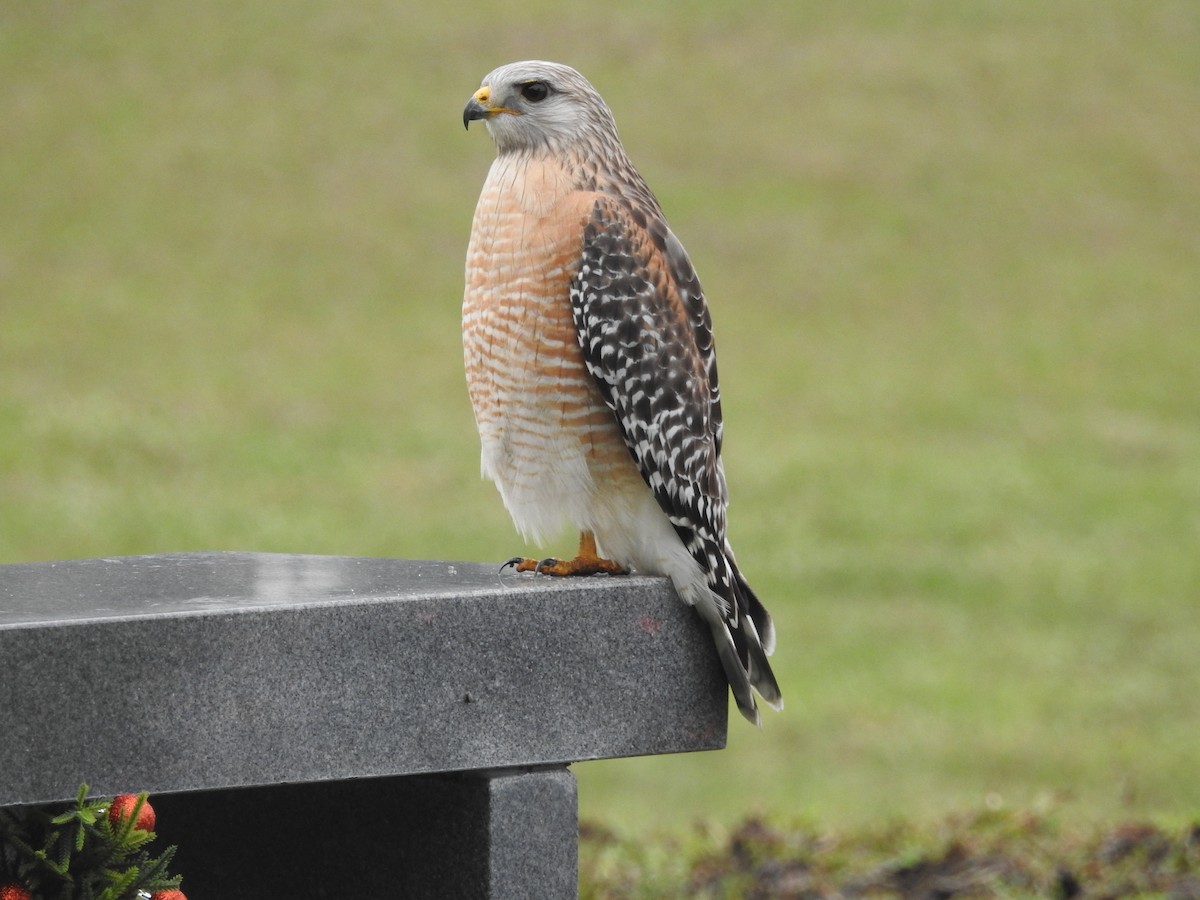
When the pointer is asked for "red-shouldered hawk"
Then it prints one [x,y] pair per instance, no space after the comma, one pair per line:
[590,362]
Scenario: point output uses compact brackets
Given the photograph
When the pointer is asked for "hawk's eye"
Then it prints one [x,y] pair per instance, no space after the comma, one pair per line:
[535,91]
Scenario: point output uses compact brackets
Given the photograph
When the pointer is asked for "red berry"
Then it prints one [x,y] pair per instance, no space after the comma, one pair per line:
[122,806]
[16,892]
[172,894]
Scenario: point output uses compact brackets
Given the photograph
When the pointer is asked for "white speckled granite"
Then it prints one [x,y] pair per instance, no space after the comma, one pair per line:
[200,671]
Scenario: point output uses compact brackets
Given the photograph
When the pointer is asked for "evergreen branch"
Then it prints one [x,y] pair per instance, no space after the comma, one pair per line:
[121,884]
[88,851]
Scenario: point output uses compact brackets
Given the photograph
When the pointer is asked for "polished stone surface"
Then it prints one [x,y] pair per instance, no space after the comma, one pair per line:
[221,582]
[201,671]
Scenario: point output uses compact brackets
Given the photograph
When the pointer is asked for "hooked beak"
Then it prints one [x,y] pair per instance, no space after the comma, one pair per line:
[480,107]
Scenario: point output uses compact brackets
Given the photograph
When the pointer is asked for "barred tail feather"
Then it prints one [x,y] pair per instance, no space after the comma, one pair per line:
[761,643]
[736,672]
[758,669]
[738,647]
[753,607]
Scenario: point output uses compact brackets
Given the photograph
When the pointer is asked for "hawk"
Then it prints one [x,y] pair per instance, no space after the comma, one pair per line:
[590,362]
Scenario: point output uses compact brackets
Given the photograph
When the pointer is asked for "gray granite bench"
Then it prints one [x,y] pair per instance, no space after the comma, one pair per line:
[362,728]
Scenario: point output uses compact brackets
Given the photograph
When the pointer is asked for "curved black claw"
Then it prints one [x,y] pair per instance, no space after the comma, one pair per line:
[516,560]
[548,561]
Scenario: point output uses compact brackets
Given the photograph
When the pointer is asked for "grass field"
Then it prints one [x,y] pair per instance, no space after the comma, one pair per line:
[953,255]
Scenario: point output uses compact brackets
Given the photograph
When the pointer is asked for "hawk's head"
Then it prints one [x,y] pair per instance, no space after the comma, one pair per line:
[533,105]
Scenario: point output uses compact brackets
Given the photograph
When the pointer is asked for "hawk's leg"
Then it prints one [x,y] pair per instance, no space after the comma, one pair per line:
[586,562]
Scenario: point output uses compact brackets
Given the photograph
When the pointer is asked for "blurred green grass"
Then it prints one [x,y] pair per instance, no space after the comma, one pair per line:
[953,254]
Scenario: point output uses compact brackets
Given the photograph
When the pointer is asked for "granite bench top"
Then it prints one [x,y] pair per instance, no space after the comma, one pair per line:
[197,671]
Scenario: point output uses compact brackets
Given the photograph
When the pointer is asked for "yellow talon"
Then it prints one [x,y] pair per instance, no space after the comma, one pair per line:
[586,562]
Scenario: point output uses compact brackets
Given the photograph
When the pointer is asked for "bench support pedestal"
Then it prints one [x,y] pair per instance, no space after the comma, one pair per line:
[487,835]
